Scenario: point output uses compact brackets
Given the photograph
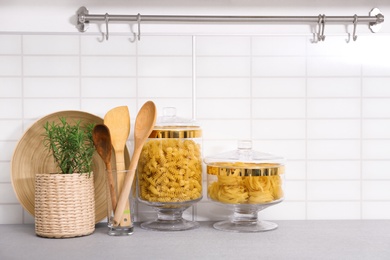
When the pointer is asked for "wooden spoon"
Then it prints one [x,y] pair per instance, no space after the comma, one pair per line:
[102,141]
[118,121]
[144,125]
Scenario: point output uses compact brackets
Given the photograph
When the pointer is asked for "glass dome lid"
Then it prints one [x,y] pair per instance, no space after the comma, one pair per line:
[244,162]
[171,126]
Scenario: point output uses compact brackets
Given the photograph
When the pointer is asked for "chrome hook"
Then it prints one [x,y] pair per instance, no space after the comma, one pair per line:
[355,21]
[106,19]
[321,37]
[321,28]
[139,26]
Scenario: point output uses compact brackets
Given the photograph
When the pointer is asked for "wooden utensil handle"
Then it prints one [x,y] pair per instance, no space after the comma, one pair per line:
[111,185]
[121,175]
[124,197]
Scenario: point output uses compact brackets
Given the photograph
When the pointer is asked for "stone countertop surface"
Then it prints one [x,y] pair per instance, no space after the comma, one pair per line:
[295,239]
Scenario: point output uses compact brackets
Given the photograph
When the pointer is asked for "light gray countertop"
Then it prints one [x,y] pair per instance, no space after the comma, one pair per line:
[347,239]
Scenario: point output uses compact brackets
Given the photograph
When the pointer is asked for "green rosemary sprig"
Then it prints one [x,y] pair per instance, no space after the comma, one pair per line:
[71,145]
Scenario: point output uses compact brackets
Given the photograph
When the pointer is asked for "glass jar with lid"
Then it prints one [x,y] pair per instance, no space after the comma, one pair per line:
[169,172]
[245,181]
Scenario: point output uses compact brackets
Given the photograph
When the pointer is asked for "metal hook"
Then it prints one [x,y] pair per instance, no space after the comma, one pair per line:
[139,26]
[322,36]
[355,21]
[106,19]
[321,28]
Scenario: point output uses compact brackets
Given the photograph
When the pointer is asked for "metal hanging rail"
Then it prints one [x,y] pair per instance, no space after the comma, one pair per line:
[374,20]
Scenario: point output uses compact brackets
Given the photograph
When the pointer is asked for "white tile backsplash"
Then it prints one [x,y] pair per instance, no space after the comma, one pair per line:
[10,129]
[46,66]
[334,108]
[223,87]
[120,66]
[7,195]
[333,129]
[5,172]
[223,67]
[332,66]
[334,87]
[37,107]
[376,170]
[223,108]
[11,214]
[7,149]
[51,87]
[15,112]
[164,87]
[96,87]
[164,66]
[279,87]
[333,210]
[333,170]
[376,87]
[333,190]
[279,129]
[164,46]
[94,45]
[10,87]
[376,190]
[376,210]
[278,66]
[279,46]
[10,44]
[333,149]
[279,108]
[376,108]
[324,106]
[223,46]
[10,66]
[376,128]
[376,149]
[51,45]
[239,129]
[295,190]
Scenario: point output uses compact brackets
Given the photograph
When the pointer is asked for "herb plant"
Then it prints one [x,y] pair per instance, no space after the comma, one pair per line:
[71,145]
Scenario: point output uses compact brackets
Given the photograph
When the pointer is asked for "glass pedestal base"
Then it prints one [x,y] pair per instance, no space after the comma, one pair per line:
[242,227]
[170,225]
[245,218]
[170,216]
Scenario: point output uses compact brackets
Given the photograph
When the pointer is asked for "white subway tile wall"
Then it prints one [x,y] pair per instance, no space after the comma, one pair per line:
[324,106]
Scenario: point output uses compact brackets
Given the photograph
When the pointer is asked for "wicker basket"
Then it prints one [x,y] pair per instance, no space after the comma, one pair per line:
[64,205]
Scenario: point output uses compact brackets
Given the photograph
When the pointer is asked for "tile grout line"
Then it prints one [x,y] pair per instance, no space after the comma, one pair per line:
[361,141]
[193,78]
[194,75]
[23,100]
[306,135]
[80,74]
[251,86]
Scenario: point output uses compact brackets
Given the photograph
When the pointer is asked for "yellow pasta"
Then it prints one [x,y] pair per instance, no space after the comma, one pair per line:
[246,189]
[170,170]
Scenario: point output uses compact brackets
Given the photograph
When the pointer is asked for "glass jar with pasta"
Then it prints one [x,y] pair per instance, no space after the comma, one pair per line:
[169,173]
[246,182]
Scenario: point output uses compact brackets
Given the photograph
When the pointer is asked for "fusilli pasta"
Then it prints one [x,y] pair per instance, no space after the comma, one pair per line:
[170,170]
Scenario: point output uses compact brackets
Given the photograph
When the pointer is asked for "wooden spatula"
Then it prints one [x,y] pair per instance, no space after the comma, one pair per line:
[118,122]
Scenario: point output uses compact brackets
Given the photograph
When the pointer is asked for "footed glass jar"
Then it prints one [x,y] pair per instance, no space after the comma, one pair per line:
[246,182]
[169,173]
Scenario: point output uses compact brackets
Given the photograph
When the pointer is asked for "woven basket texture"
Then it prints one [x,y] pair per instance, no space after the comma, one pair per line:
[64,205]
